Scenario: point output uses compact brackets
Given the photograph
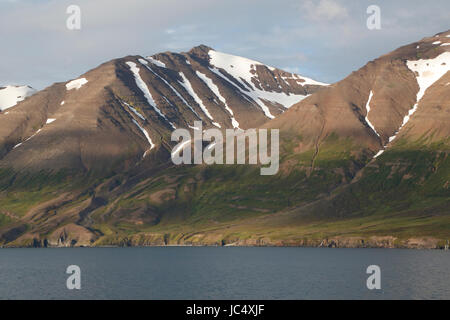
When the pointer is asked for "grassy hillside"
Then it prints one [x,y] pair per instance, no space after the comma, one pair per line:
[318,197]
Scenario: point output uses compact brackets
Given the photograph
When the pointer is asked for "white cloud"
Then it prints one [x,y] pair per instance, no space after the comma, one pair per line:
[324,10]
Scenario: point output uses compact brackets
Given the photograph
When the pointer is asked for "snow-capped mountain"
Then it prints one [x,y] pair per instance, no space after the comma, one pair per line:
[253,83]
[382,101]
[11,95]
[128,107]
[231,82]
[363,162]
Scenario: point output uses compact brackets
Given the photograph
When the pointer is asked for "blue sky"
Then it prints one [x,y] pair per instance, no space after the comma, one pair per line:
[322,39]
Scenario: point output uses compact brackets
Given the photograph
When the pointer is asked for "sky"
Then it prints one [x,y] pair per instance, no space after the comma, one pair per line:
[322,39]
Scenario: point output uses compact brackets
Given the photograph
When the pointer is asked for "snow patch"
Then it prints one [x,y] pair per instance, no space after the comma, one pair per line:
[243,70]
[33,135]
[137,113]
[134,111]
[147,136]
[18,145]
[76,84]
[379,154]
[239,67]
[427,72]
[367,116]
[12,95]
[156,62]
[50,121]
[143,61]
[246,94]
[167,100]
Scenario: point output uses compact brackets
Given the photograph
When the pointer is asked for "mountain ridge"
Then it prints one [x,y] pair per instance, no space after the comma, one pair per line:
[333,188]
[168,96]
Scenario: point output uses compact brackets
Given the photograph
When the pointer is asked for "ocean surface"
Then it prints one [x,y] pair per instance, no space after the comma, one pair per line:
[223,273]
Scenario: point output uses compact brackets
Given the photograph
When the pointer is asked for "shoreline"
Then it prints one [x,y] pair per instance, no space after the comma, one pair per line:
[152,239]
[225,246]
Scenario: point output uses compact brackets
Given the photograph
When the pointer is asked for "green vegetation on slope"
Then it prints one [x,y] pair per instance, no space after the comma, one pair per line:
[404,194]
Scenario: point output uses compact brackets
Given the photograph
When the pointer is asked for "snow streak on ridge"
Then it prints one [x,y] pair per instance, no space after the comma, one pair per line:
[367,116]
[147,136]
[246,94]
[212,86]
[144,88]
[187,85]
[145,63]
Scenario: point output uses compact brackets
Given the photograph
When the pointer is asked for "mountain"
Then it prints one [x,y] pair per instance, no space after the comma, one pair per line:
[126,107]
[375,103]
[11,95]
[363,162]
[390,122]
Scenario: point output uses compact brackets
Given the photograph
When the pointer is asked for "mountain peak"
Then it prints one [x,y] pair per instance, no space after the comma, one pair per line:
[129,107]
[200,51]
[201,47]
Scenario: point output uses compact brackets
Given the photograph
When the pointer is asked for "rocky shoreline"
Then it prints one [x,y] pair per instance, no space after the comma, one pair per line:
[158,240]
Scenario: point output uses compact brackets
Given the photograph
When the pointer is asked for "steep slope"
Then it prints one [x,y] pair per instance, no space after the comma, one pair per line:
[126,109]
[364,162]
[65,149]
[79,125]
[232,90]
[403,190]
[335,188]
[371,106]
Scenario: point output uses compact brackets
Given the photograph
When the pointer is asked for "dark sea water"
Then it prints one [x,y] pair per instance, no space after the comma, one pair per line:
[223,273]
